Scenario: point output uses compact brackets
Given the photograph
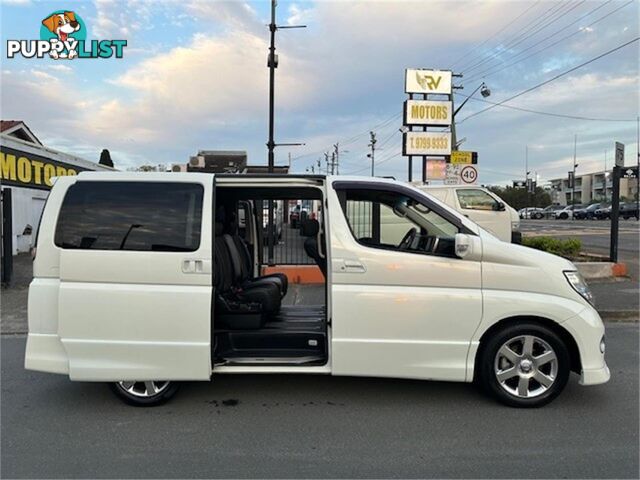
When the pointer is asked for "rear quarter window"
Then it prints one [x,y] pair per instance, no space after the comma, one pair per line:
[139,216]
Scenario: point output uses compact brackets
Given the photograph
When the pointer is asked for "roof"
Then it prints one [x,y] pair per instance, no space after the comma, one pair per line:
[18,129]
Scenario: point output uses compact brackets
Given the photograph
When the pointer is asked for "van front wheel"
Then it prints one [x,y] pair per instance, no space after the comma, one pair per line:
[524,365]
[145,394]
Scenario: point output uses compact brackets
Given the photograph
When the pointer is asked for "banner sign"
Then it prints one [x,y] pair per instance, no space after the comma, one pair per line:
[427,81]
[460,157]
[619,154]
[23,169]
[519,184]
[436,169]
[427,143]
[570,180]
[427,112]
[630,172]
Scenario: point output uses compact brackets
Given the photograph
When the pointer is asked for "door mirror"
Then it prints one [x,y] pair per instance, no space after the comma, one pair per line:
[468,246]
[499,207]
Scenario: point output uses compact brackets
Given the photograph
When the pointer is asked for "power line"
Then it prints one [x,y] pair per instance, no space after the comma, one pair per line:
[489,72]
[526,31]
[510,23]
[552,114]
[551,79]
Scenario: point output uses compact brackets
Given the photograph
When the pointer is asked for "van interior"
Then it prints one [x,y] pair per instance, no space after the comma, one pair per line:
[265,318]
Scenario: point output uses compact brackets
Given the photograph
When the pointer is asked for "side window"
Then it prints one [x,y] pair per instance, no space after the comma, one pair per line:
[476,199]
[393,221]
[141,216]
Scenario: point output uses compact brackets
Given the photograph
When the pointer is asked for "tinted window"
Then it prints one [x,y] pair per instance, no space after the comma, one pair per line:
[141,216]
[393,221]
[476,199]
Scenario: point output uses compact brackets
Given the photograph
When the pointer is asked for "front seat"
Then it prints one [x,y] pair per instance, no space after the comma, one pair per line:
[310,228]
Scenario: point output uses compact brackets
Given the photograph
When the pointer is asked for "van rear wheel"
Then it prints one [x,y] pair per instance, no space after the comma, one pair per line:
[524,365]
[145,394]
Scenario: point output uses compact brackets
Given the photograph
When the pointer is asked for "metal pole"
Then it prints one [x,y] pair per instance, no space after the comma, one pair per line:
[410,175]
[615,213]
[373,151]
[605,175]
[573,183]
[638,167]
[526,176]
[272,79]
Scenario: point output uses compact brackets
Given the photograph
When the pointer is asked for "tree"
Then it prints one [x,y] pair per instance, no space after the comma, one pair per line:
[105,158]
[519,198]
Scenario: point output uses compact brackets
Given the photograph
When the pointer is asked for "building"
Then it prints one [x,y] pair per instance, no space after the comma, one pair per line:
[224,161]
[590,188]
[26,171]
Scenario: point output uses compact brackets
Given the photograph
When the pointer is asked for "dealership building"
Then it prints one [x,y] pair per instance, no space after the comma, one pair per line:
[26,171]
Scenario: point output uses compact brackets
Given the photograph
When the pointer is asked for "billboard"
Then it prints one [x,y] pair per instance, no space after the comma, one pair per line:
[427,81]
[427,112]
[427,143]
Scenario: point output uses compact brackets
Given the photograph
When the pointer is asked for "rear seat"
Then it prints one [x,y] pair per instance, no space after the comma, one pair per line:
[239,306]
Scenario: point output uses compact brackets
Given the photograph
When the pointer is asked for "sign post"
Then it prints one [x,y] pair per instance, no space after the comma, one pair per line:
[615,202]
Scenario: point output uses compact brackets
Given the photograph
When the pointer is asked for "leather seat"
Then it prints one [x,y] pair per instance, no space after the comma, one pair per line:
[240,306]
[310,229]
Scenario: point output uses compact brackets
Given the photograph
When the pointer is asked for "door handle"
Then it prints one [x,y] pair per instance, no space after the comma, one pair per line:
[352,266]
[196,266]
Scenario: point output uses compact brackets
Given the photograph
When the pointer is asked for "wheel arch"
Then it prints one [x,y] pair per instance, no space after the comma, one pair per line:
[558,329]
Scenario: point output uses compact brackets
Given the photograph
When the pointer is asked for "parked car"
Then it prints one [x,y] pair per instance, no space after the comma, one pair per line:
[140,283]
[566,212]
[586,213]
[602,213]
[549,212]
[629,210]
[298,213]
[482,206]
[531,213]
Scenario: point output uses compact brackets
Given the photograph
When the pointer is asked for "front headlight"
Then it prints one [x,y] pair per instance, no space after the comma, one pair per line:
[579,285]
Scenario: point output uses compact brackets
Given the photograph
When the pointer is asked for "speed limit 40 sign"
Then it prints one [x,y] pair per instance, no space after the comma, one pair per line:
[469,174]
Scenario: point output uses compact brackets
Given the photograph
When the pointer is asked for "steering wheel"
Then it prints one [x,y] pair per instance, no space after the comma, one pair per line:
[408,238]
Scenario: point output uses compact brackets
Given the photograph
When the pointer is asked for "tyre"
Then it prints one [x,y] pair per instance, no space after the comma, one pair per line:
[563,216]
[524,365]
[538,216]
[144,394]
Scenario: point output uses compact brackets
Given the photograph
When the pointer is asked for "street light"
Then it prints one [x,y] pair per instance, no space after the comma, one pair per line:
[484,91]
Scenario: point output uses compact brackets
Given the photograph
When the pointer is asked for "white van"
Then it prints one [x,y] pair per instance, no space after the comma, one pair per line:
[482,206]
[143,280]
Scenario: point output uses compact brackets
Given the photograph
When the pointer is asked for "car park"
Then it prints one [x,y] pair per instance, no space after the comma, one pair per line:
[602,213]
[144,280]
[629,210]
[482,206]
[531,213]
[566,212]
[586,213]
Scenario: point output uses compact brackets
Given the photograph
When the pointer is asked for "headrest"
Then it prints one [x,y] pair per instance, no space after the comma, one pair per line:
[310,227]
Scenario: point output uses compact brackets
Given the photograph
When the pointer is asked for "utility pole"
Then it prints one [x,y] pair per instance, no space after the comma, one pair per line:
[526,174]
[326,162]
[272,64]
[605,175]
[372,144]
[638,166]
[337,153]
[573,183]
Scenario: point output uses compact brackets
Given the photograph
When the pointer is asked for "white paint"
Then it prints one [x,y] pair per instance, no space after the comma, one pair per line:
[117,315]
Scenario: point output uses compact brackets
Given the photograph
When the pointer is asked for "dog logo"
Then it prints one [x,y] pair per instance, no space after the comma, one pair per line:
[63,25]
[63,35]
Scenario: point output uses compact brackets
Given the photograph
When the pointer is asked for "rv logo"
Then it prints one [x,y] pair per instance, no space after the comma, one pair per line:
[63,35]
[428,82]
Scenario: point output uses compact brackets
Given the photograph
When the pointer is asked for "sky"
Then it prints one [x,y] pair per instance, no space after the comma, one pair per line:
[194,77]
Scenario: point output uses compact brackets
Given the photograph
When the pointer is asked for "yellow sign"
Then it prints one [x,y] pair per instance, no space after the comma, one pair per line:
[459,157]
[28,170]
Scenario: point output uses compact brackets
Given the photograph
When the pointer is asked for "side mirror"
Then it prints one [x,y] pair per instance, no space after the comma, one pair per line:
[499,207]
[468,246]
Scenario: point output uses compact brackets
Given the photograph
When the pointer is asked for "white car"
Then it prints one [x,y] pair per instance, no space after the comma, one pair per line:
[482,206]
[142,280]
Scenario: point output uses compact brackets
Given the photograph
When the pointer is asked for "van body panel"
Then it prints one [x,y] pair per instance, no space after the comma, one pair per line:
[118,310]
[405,315]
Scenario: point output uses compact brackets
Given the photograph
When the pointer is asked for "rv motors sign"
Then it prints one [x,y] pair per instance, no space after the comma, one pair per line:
[427,81]
[427,143]
[427,112]
[63,35]
[23,169]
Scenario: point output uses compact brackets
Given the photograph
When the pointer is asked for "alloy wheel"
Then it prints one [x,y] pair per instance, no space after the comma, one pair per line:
[146,389]
[526,366]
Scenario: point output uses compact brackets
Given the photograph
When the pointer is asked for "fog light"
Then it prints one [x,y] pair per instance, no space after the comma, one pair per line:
[602,345]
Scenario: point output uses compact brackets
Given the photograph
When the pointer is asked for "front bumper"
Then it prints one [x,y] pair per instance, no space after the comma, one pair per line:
[516,237]
[587,330]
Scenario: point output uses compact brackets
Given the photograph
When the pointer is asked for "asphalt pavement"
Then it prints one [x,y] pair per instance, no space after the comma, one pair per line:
[319,426]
